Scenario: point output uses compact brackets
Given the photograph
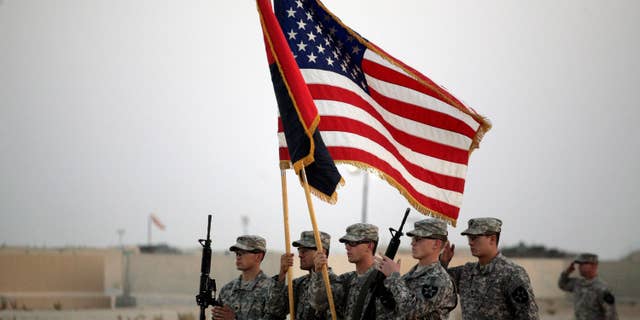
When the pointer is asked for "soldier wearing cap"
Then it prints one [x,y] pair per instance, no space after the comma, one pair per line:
[351,289]
[426,291]
[494,287]
[279,295]
[246,296]
[592,298]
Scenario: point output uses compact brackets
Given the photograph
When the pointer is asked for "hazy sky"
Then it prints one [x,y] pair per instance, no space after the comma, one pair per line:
[110,110]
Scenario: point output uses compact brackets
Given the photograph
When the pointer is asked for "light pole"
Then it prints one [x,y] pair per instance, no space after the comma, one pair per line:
[245,224]
[365,195]
[120,235]
[365,189]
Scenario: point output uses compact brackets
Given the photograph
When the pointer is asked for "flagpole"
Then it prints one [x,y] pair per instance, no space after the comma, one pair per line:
[287,240]
[316,235]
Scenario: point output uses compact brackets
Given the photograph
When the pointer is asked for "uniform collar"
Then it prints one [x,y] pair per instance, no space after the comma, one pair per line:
[366,273]
[590,282]
[489,267]
[419,270]
[250,285]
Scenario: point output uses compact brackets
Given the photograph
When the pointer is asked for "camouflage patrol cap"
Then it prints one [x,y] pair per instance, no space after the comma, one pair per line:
[483,226]
[250,243]
[361,232]
[586,258]
[307,240]
[431,227]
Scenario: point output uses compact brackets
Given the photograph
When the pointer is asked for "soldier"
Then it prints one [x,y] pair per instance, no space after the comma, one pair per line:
[351,290]
[592,298]
[494,287]
[245,297]
[279,295]
[426,291]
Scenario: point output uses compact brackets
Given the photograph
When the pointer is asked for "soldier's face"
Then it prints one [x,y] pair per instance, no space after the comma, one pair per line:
[246,260]
[588,270]
[423,247]
[356,250]
[306,258]
[479,245]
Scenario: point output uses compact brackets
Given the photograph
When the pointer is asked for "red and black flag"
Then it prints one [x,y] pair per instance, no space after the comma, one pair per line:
[299,117]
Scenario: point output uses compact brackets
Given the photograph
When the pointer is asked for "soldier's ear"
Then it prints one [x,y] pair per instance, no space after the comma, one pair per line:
[371,245]
[438,244]
[494,239]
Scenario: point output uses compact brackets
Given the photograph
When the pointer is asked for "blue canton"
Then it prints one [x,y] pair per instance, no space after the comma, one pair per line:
[318,41]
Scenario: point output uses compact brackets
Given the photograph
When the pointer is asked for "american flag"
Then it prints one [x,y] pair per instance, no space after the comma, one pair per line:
[378,113]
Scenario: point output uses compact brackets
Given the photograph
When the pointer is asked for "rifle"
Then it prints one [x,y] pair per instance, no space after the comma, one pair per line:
[378,289]
[207,294]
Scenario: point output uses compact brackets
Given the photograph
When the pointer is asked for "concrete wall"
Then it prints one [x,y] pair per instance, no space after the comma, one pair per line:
[623,276]
[48,279]
[40,272]
[174,279]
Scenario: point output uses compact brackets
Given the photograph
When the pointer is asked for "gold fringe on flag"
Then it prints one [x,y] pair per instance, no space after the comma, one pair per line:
[333,199]
[421,208]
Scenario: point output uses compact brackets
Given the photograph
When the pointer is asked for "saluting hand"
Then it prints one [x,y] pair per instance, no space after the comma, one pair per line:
[447,253]
[571,267]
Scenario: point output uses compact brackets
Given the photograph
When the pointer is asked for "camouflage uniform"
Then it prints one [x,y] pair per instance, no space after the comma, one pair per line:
[248,299]
[425,292]
[592,299]
[347,286]
[279,295]
[279,299]
[499,290]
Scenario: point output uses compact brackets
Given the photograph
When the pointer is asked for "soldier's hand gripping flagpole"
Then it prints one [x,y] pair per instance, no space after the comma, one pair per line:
[287,240]
[316,235]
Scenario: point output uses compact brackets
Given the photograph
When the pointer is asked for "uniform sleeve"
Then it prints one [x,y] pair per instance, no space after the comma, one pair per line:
[403,296]
[278,299]
[455,274]
[224,295]
[608,304]
[520,296]
[264,293]
[428,296]
[318,293]
[565,282]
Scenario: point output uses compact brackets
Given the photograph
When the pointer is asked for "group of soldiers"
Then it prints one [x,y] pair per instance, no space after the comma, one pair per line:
[494,287]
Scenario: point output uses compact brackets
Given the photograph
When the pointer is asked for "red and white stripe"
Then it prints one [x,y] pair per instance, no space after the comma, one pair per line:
[402,128]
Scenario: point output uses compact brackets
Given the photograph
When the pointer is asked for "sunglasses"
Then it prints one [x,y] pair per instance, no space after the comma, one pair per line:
[418,238]
[355,243]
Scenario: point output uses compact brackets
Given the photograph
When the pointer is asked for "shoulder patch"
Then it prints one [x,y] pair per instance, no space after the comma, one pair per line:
[520,295]
[609,298]
[429,291]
